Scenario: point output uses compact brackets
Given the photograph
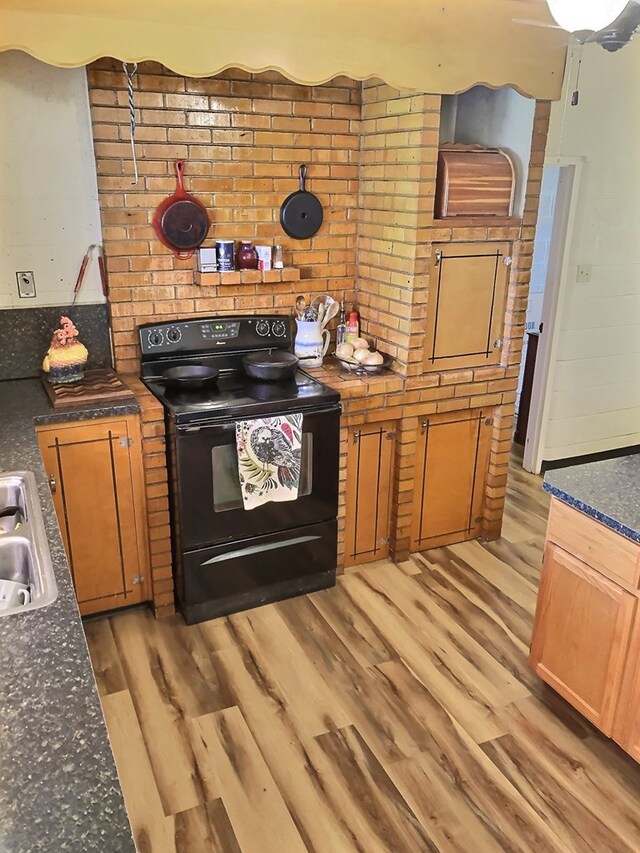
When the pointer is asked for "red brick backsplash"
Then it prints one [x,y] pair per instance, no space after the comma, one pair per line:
[243,138]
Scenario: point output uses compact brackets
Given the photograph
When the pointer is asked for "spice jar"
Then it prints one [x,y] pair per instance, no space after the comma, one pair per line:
[246,256]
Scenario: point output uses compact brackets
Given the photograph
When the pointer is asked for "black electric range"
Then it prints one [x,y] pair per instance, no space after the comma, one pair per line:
[227,558]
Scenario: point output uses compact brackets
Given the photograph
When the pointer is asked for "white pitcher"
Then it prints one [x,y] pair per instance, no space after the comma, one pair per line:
[312,343]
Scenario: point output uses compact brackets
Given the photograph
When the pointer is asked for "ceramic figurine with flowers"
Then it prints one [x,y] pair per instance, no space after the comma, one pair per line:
[66,357]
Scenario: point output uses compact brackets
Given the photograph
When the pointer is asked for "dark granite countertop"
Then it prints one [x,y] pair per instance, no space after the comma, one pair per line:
[59,789]
[608,491]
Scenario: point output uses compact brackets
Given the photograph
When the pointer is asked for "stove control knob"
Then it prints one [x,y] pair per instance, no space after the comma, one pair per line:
[262,328]
[279,330]
[174,335]
[155,338]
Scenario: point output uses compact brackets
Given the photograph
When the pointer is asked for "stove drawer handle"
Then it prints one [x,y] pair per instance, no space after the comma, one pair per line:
[258,549]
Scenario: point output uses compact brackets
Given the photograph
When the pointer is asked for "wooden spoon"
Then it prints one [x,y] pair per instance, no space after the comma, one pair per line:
[301,304]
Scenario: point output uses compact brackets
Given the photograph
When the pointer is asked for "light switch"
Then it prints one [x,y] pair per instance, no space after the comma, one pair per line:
[583,273]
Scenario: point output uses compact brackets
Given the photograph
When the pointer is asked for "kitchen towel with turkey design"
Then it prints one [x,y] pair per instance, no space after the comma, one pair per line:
[269,454]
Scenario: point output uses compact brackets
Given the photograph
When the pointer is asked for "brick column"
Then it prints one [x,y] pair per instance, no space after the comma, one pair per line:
[398,157]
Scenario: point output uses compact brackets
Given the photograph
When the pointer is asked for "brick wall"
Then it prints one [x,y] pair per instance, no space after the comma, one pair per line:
[399,154]
[372,152]
[243,138]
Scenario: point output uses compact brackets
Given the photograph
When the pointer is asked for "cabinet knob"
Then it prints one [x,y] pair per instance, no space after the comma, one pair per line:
[52,484]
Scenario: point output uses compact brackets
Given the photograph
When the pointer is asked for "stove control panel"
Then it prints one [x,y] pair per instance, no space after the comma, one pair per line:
[214,334]
[223,330]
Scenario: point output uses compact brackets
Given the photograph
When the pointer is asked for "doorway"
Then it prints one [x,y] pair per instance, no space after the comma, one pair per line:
[548,279]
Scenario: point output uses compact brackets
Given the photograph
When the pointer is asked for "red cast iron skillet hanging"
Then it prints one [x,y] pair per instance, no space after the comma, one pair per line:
[301,212]
[181,222]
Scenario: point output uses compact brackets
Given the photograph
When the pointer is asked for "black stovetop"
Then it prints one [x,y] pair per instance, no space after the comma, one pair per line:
[235,395]
[221,342]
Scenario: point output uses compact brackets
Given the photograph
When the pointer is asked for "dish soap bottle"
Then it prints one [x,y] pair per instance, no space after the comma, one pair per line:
[353,327]
[341,328]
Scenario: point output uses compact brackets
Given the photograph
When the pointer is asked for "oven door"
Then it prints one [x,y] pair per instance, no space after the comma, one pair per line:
[207,502]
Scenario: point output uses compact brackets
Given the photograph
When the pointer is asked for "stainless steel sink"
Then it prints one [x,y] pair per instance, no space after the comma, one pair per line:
[24,550]
[12,491]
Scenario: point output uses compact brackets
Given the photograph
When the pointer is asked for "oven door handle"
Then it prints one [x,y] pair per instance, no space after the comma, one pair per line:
[257,549]
[336,407]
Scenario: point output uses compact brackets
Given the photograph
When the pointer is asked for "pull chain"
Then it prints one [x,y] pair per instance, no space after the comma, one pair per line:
[576,94]
[132,115]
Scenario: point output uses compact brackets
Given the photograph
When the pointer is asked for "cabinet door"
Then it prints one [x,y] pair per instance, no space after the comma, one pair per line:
[626,725]
[581,635]
[369,471]
[452,455]
[97,495]
[465,313]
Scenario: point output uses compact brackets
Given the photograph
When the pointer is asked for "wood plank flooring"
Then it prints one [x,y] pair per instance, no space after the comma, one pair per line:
[395,712]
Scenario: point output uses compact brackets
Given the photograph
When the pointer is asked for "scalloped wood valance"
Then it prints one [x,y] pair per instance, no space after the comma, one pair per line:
[438,46]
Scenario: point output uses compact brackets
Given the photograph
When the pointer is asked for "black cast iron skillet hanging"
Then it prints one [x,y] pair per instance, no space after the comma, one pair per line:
[301,213]
[181,222]
[189,377]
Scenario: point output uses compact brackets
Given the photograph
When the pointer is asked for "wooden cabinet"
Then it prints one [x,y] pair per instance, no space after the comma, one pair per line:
[452,456]
[97,484]
[626,725]
[369,472]
[465,314]
[581,635]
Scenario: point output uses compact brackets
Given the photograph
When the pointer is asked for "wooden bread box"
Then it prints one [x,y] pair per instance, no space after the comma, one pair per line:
[474,181]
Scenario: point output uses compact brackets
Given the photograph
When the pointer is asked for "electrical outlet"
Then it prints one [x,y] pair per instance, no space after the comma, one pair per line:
[26,285]
[583,273]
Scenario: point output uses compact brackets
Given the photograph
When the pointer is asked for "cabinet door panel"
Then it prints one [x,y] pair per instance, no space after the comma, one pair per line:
[465,314]
[452,454]
[95,499]
[91,512]
[369,469]
[626,726]
[581,635]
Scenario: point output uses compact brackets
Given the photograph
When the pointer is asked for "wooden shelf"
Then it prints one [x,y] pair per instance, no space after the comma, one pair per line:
[209,279]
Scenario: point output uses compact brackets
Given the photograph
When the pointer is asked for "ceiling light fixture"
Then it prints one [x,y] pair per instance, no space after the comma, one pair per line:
[577,16]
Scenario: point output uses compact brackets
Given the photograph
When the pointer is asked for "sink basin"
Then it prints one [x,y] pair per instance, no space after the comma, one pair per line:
[16,558]
[13,492]
[24,551]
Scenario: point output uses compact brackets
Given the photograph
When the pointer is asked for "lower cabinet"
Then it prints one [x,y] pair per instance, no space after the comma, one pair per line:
[369,473]
[581,635]
[452,456]
[626,723]
[97,483]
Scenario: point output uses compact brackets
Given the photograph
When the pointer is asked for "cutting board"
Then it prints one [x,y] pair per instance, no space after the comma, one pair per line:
[96,387]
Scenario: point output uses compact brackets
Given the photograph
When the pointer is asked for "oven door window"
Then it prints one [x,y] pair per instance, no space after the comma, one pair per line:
[226,480]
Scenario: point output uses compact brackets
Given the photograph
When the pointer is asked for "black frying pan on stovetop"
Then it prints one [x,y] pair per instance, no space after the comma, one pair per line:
[190,377]
[301,213]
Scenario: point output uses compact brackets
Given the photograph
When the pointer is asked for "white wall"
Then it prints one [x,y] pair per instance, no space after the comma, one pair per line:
[500,118]
[595,379]
[48,193]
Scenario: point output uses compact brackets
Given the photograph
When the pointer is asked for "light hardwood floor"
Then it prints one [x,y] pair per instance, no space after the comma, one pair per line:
[395,712]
